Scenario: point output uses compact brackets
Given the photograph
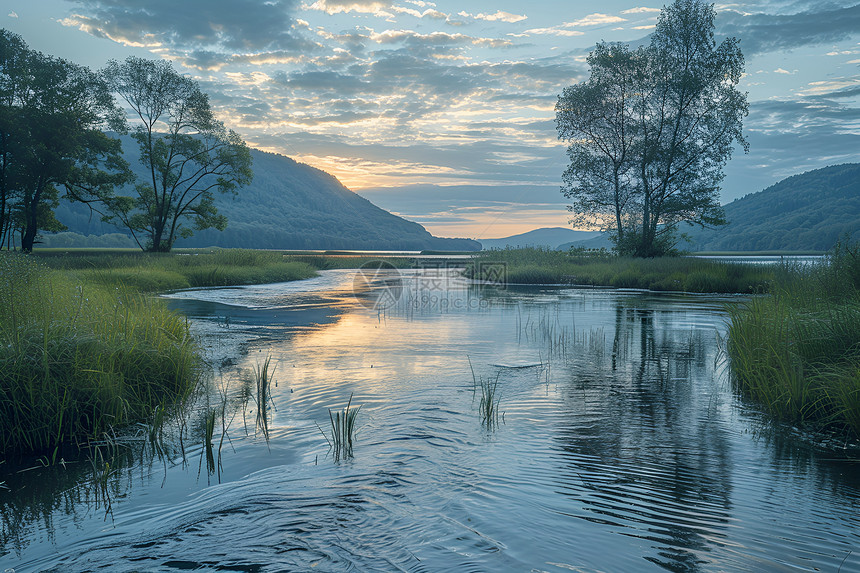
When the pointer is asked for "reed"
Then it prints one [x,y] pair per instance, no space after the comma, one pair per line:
[102,472]
[342,431]
[600,268]
[77,358]
[489,404]
[797,351]
[263,380]
[208,426]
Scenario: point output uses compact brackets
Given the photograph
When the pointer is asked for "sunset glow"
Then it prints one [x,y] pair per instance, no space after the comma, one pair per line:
[389,94]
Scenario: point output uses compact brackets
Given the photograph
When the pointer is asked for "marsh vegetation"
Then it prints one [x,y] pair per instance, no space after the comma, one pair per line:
[797,351]
[600,268]
[79,357]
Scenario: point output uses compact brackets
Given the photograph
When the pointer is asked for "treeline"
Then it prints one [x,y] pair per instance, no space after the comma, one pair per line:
[54,115]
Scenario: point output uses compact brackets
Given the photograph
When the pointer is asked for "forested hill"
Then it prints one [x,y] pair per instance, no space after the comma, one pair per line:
[290,205]
[810,211]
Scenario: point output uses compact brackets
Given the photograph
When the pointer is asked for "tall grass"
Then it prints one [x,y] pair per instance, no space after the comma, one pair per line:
[797,351]
[342,431]
[600,268]
[77,358]
[488,407]
[153,272]
[263,381]
[489,404]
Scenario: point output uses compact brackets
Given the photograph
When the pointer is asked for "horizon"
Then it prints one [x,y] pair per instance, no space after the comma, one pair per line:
[443,114]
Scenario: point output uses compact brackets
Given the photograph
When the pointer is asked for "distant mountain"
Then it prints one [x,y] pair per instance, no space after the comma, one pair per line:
[601,241]
[550,237]
[810,211]
[290,205]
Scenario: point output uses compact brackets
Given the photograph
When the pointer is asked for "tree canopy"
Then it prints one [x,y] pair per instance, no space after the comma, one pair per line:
[52,117]
[188,155]
[651,129]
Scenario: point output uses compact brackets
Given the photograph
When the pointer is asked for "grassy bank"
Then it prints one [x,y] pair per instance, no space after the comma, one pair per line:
[150,272]
[82,350]
[78,357]
[797,351]
[333,260]
[544,266]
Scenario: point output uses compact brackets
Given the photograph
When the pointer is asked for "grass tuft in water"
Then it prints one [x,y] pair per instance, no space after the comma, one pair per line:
[342,431]
[209,419]
[263,381]
[488,407]
[102,472]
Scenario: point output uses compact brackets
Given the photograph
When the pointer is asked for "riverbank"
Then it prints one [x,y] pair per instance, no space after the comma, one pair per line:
[797,351]
[600,268]
[78,358]
[156,272]
[83,350]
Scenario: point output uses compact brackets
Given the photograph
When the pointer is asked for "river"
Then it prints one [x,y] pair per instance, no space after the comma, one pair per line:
[619,444]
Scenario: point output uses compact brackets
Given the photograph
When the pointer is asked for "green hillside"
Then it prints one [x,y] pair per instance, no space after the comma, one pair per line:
[810,211]
[290,205]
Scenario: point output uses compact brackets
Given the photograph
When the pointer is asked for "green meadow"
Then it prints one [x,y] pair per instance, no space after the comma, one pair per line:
[155,272]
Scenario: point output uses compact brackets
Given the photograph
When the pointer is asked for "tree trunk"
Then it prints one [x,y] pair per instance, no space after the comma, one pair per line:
[618,205]
[31,217]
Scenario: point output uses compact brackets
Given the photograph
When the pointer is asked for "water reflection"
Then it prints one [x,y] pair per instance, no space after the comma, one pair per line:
[640,455]
[620,447]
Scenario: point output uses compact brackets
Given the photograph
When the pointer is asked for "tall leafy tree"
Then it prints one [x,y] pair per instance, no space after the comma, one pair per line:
[682,115]
[186,151]
[596,117]
[52,117]
[14,82]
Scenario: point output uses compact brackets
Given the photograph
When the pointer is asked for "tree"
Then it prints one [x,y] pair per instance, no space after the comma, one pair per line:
[186,152]
[674,110]
[596,118]
[52,113]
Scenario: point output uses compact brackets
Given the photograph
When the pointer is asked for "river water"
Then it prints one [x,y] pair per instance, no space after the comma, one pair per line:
[619,446]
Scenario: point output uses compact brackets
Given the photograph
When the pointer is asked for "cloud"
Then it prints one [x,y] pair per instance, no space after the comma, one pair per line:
[565,29]
[498,16]
[431,13]
[790,136]
[481,211]
[231,26]
[640,10]
[761,33]
[554,31]
[594,20]
[836,87]
[345,6]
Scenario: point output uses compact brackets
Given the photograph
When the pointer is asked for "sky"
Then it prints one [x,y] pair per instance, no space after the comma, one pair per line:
[443,112]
